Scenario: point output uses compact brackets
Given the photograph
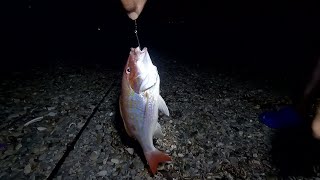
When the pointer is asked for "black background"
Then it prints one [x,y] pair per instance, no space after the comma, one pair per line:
[262,35]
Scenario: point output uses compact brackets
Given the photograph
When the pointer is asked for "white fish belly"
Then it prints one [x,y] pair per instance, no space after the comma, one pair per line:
[143,116]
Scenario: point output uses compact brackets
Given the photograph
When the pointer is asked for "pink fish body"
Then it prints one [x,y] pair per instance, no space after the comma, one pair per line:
[140,103]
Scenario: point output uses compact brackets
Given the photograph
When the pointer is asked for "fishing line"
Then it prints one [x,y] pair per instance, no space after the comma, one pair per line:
[136,31]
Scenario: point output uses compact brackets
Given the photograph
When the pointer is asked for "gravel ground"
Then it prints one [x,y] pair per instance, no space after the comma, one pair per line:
[213,131]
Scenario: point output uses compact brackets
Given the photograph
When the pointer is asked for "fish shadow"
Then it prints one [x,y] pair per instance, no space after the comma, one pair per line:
[295,152]
[126,140]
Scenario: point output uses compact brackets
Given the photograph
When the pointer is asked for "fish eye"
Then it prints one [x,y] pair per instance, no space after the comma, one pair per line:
[128,70]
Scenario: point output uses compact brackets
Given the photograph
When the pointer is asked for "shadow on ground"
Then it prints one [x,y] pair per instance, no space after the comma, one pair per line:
[295,152]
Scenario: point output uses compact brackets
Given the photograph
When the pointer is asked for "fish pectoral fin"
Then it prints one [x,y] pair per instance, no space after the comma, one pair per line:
[158,132]
[162,106]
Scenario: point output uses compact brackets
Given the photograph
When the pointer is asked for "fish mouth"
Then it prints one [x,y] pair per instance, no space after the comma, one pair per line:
[147,73]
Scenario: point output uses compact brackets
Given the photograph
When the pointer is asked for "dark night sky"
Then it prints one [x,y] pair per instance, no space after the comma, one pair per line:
[259,33]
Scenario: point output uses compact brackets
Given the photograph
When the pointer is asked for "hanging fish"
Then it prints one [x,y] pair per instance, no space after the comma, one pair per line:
[140,103]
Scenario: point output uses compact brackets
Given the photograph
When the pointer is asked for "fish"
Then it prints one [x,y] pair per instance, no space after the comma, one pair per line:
[140,102]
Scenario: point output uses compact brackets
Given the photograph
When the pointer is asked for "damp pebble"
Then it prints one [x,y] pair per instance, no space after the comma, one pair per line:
[115,161]
[41,128]
[94,155]
[130,150]
[27,169]
[180,155]
[18,146]
[51,108]
[98,127]
[52,114]
[102,173]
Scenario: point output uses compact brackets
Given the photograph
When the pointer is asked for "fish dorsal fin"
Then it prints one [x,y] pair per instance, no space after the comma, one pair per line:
[162,106]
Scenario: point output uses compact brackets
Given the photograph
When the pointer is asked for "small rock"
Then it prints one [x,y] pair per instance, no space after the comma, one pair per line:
[94,155]
[41,128]
[220,144]
[51,108]
[173,147]
[31,161]
[130,150]
[77,164]
[240,133]
[115,161]
[16,100]
[255,155]
[43,148]
[174,154]
[80,125]
[105,161]
[91,106]
[27,169]
[102,173]
[180,155]
[98,127]
[36,150]
[52,114]
[111,114]
[42,156]
[18,146]
[115,173]
[256,162]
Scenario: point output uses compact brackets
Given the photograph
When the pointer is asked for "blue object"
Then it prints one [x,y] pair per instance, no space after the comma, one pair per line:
[3,147]
[286,117]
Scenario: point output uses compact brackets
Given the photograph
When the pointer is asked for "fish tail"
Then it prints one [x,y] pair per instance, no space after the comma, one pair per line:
[154,158]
